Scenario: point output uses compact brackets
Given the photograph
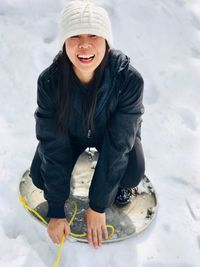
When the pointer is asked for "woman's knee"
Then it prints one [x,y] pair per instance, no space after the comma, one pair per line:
[35,173]
[139,158]
[136,166]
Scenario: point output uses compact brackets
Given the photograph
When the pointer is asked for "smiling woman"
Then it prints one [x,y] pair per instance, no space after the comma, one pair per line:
[86,53]
[90,96]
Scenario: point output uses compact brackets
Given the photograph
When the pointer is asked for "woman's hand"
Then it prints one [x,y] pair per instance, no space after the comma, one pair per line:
[96,225]
[57,228]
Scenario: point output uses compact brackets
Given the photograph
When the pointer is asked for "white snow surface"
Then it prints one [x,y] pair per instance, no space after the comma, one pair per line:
[162,39]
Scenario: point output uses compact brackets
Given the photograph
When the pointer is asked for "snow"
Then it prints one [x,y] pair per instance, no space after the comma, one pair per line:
[162,40]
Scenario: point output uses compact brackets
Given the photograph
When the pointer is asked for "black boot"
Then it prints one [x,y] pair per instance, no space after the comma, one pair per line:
[124,196]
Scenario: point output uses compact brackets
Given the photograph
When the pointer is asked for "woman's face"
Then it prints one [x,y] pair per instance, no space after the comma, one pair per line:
[86,52]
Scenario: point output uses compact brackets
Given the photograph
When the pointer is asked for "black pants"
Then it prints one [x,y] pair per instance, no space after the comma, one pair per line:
[132,177]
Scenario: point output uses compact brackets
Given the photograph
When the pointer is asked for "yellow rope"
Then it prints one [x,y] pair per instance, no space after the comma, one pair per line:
[25,204]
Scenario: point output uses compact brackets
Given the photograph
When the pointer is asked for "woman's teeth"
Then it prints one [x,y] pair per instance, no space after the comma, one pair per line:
[85,59]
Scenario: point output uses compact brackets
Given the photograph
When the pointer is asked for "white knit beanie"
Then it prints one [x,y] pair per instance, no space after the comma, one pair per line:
[83,17]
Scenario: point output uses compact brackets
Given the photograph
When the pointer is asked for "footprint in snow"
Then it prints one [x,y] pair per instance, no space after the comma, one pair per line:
[195,21]
[188,118]
[195,52]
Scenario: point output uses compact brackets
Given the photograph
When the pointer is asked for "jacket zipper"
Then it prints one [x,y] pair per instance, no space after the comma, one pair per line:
[89,133]
[90,153]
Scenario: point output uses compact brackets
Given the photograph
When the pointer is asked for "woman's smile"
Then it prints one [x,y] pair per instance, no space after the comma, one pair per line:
[85,59]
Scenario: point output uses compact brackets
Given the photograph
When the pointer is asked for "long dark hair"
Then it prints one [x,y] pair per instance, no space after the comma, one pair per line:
[65,92]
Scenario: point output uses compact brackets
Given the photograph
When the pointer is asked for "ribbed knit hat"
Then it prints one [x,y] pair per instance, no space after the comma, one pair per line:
[84,17]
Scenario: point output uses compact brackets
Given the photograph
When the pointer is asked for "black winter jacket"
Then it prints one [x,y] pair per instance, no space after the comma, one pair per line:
[117,121]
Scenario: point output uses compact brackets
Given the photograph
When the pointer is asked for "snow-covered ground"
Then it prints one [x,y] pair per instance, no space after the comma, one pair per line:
[162,39]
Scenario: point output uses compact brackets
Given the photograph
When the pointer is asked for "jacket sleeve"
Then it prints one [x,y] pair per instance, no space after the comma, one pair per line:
[118,141]
[54,150]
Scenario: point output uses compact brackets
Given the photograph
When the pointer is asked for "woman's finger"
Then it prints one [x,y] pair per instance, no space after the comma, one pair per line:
[105,232]
[53,238]
[89,235]
[57,239]
[99,235]
[94,238]
[67,231]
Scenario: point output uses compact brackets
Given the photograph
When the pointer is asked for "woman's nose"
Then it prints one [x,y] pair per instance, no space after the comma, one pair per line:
[84,43]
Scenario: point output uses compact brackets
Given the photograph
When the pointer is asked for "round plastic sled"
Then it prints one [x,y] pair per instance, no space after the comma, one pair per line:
[127,221]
